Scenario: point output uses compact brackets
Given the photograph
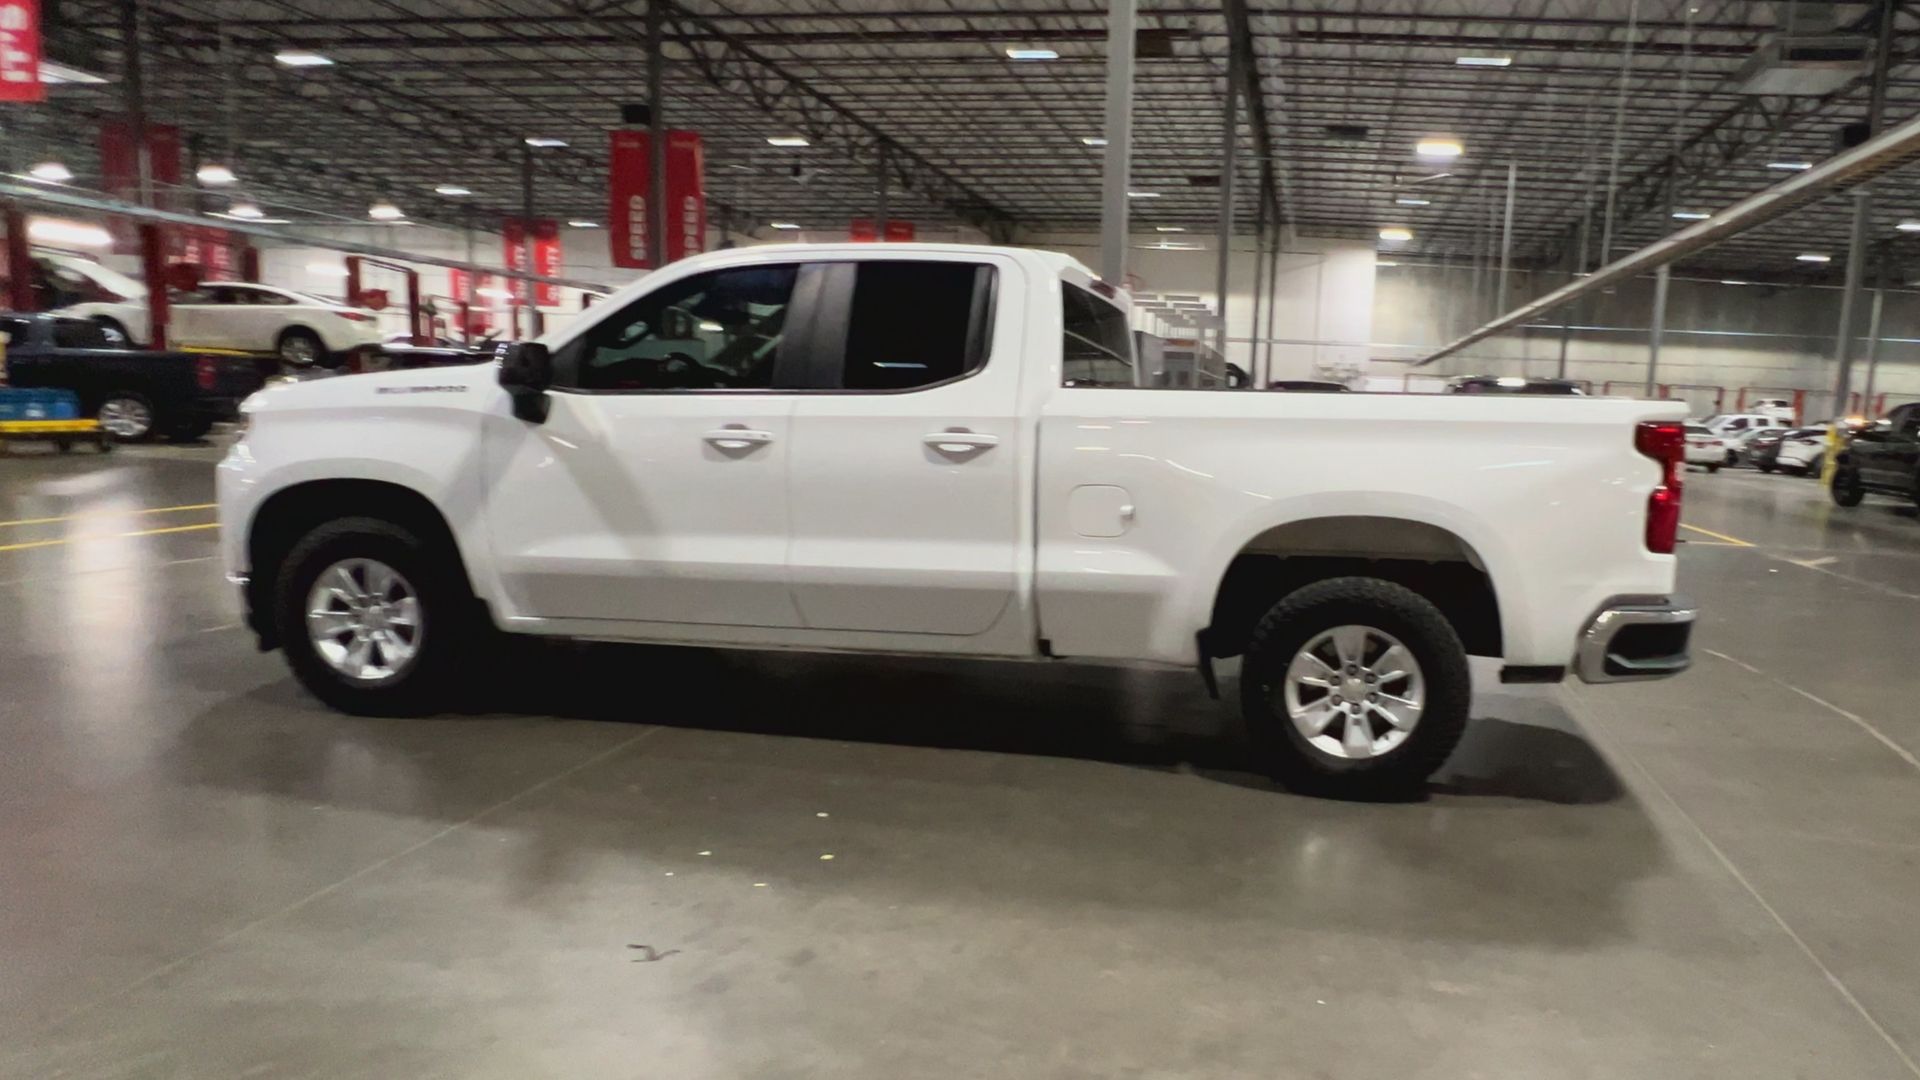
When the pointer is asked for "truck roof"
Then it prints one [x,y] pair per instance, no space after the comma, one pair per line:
[1054,261]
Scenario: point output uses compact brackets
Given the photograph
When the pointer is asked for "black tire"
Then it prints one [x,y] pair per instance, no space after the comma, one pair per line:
[1292,624]
[300,347]
[1713,468]
[127,416]
[448,616]
[1768,466]
[1846,489]
[115,331]
[188,431]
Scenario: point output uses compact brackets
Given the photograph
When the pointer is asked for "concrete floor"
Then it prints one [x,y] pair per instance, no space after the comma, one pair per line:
[1035,873]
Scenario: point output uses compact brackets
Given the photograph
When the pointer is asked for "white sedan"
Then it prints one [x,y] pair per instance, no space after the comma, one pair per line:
[303,330]
[1803,450]
[1705,448]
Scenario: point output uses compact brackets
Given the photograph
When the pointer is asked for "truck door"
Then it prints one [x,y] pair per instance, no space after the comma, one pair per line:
[1899,455]
[656,491]
[907,473]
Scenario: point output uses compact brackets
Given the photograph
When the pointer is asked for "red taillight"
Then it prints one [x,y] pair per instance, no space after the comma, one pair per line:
[206,372]
[356,316]
[1665,442]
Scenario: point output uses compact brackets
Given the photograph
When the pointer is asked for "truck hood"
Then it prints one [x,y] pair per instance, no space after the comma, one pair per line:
[384,389]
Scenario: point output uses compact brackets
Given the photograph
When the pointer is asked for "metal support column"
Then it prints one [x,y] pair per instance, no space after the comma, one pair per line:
[1862,218]
[1619,123]
[134,100]
[1273,287]
[19,255]
[880,192]
[1873,344]
[1119,135]
[1229,143]
[1506,241]
[153,266]
[535,324]
[1259,279]
[657,139]
[1657,326]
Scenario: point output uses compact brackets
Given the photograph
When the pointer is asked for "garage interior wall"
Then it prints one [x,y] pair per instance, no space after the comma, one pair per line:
[1750,335]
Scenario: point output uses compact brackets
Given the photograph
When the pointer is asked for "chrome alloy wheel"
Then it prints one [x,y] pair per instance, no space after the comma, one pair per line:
[125,417]
[1355,692]
[364,620]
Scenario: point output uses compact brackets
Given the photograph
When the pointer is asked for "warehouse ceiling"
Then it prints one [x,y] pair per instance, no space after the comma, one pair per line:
[422,94]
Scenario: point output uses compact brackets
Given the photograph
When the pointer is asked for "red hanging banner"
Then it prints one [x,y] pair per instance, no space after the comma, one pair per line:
[629,172]
[208,248]
[899,232]
[513,237]
[861,231]
[20,51]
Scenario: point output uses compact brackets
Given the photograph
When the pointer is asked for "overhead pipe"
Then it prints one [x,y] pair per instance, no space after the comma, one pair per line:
[1890,150]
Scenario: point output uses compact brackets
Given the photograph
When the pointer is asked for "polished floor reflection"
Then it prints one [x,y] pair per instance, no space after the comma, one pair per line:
[679,863]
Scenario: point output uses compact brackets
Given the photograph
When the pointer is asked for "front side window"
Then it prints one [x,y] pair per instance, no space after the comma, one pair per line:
[80,334]
[720,330]
[1097,346]
[914,324]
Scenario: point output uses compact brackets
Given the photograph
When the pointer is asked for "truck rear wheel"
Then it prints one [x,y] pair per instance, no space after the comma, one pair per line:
[1354,687]
[372,618]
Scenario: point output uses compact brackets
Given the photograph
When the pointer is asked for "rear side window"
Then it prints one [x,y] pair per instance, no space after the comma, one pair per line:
[1096,345]
[79,334]
[914,324]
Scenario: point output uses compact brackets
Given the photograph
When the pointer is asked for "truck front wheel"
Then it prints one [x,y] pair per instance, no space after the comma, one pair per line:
[371,617]
[1354,687]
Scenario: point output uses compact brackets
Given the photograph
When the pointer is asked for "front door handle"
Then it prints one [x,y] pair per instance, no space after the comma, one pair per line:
[960,442]
[738,438]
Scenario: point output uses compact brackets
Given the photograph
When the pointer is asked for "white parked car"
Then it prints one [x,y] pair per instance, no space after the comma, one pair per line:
[1737,428]
[302,329]
[940,449]
[1802,450]
[1705,448]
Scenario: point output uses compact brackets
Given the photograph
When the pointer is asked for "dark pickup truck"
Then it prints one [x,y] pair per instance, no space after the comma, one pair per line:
[135,394]
[1883,457]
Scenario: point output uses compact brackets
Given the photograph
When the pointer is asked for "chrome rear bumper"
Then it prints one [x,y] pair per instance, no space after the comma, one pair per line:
[1636,638]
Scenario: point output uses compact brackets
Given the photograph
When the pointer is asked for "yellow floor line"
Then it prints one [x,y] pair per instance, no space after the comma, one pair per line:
[107,513]
[107,536]
[1734,540]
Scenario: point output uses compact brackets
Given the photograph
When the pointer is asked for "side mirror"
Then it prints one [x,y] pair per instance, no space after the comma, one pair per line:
[526,371]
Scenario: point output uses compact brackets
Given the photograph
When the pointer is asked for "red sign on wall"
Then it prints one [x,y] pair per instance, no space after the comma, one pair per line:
[629,172]
[20,51]
[900,232]
[861,231]
[546,257]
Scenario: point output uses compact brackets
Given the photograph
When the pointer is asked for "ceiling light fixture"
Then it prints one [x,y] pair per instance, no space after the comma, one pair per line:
[785,225]
[789,140]
[1908,226]
[262,220]
[452,189]
[54,74]
[545,142]
[1691,215]
[1439,147]
[1385,262]
[1032,54]
[385,210]
[213,174]
[1094,140]
[1734,281]
[1483,61]
[1396,233]
[52,172]
[1143,194]
[1169,228]
[246,211]
[1811,257]
[69,233]
[582,223]
[299,58]
[1790,166]
[1413,202]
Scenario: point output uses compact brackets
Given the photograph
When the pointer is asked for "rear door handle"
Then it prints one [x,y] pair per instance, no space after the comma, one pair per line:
[960,442]
[738,438]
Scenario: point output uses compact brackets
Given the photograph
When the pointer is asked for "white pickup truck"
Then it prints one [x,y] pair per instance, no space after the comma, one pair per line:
[942,449]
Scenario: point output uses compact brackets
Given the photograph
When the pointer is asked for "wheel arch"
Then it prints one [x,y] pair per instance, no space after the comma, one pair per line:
[288,514]
[1431,558]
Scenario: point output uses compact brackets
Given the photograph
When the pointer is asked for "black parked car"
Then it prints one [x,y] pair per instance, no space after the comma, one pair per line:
[1883,457]
[136,394]
[1514,384]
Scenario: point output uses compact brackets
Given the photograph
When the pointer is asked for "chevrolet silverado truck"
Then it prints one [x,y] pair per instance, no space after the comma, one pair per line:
[942,449]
